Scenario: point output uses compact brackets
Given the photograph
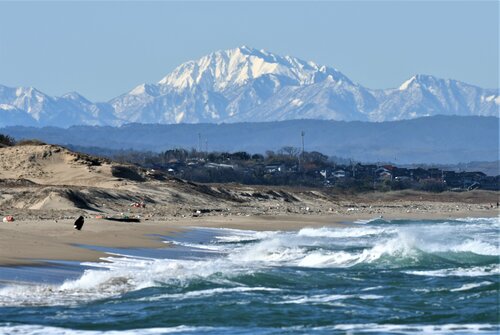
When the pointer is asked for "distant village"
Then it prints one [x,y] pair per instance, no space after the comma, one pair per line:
[290,166]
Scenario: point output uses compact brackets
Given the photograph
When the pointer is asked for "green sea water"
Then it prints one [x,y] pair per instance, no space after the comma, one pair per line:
[367,277]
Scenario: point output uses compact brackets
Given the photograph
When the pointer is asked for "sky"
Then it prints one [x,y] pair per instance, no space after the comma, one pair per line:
[104,49]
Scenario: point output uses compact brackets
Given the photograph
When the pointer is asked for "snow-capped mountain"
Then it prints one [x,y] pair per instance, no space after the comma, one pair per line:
[245,84]
[28,106]
[249,85]
[424,95]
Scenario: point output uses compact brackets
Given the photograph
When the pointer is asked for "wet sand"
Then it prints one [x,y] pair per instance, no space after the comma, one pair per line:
[31,242]
[25,242]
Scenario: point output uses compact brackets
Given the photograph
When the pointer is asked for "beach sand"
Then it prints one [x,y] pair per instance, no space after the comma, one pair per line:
[33,241]
[28,242]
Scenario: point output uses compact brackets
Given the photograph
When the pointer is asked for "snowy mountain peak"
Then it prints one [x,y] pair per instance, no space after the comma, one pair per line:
[245,84]
[28,92]
[75,96]
[407,83]
[238,66]
[419,80]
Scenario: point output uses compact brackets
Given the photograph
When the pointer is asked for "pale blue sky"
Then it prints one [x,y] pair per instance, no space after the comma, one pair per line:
[103,49]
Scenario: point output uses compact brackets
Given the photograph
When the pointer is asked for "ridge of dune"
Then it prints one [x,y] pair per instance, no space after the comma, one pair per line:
[55,165]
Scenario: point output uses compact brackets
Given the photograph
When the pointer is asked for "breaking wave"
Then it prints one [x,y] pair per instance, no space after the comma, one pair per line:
[338,329]
[463,247]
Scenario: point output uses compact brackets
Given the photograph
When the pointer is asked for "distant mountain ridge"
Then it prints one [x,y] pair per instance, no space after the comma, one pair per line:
[250,85]
[435,139]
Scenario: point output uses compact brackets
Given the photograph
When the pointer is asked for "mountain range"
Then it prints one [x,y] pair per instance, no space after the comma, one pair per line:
[250,85]
[434,139]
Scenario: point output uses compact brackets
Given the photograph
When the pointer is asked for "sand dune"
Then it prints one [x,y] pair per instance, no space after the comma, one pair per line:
[54,165]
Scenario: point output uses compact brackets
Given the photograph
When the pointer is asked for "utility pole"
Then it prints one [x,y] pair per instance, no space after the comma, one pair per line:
[199,142]
[302,134]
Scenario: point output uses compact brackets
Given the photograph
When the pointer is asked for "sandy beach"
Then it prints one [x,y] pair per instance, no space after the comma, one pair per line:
[30,242]
[49,187]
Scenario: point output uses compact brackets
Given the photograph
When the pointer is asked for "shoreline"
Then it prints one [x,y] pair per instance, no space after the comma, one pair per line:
[29,242]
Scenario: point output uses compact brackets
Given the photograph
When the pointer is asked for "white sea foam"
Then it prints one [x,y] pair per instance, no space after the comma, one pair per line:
[295,251]
[373,220]
[398,246]
[344,232]
[305,250]
[358,328]
[386,246]
[326,298]
[119,275]
[477,247]
[373,288]
[205,247]
[44,330]
[209,293]
[470,286]
[428,290]
[493,220]
[238,235]
[475,271]
[418,329]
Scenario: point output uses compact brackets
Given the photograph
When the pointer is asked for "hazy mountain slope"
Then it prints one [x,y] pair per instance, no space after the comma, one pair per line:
[438,139]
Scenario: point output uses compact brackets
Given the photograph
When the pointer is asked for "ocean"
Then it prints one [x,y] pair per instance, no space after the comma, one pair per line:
[367,277]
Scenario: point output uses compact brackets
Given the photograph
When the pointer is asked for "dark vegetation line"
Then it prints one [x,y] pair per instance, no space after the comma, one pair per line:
[291,166]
